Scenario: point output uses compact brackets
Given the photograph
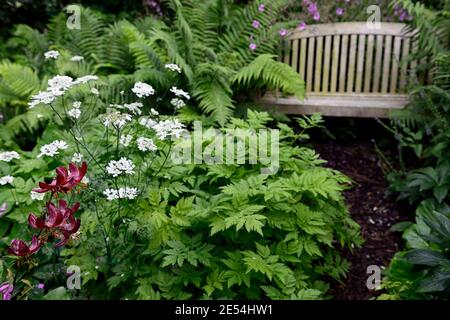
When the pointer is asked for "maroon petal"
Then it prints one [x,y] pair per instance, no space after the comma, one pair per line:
[35,222]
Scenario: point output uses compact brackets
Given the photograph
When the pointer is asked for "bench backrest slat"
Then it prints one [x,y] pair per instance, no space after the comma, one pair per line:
[351,57]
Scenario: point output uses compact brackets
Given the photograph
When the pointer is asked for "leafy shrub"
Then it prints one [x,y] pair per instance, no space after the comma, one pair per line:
[423,271]
[152,228]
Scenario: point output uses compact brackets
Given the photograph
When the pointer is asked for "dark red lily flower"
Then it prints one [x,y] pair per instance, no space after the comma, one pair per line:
[60,220]
[65,179]
[71,227]
[20,248]
[55,217]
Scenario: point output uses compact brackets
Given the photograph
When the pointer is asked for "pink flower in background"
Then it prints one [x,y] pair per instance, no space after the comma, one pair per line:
[6,290]
[339,11]
[256,24]
[301,26]
[316,16]
[261,8]
[283,33]
[252,46]
[40,286]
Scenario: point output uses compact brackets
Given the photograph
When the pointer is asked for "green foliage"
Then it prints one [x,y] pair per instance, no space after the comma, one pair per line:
[423,128]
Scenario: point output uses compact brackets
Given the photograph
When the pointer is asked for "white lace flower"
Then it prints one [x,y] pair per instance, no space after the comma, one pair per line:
[77,58]
[125,140]
[37,196]
[41,97]
[142,89]
[154,112]
[116,119]
[77,104]
[52,54]
[122,193]
[6,180]
[168,128]
[147,122]
[123,166]
[95,91]
[77,158]
[145,144]
[180,93]
[59,84]
[134,108]
[86,79]
[173,67]
[53,148]
[74,113]
[177,103]
[8,156]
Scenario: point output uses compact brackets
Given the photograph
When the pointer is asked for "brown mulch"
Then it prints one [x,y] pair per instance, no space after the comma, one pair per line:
[370,208]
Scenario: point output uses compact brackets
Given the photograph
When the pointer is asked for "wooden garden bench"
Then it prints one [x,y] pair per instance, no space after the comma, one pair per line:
[350,69]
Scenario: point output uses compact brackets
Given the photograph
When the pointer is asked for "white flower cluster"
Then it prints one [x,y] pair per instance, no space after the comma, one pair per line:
[154,112]
[75,112]
[95,91]
[168,128]
[6,180]
[147,122]
[117,119]
[122,193]
[77,58]
[53,148]
[77,158]
[37,196]
[180,93]
[52,54]
[173,67]
[142,89]
[177,103]
[56,87]
[8,156]
[125,140]
[134,108]
[123,166]
[145,144]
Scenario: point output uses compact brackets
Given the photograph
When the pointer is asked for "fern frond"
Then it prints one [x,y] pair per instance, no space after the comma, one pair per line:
[265,70]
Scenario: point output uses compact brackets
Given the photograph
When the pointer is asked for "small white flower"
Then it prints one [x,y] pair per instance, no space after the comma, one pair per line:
[8,156]
[177,103]
[77,158]
[77,58]
[74,113]
[154,112]
[85,180]
[173,67]
[145,144]
[122,193]
[147,122]
[95,91]
[6,180]
[142,89]
[59,84]
[117,119]
[85,79]
[53,148]
[125,140]
[134,108]
[123,166]
[37,196]
[168,128]
[77,104]
[180,93]
[52,54]
[41,97]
